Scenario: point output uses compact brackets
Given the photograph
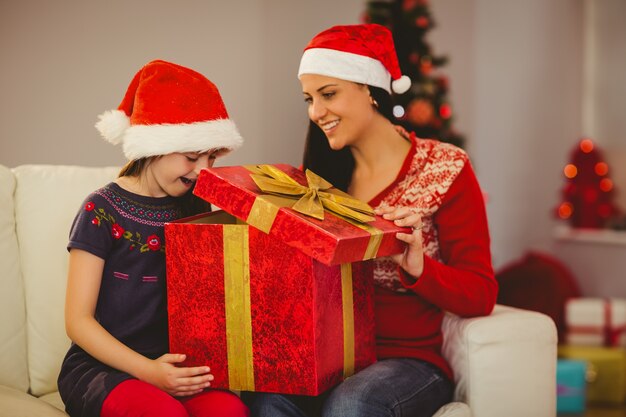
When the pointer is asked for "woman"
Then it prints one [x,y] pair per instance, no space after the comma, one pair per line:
[346,73]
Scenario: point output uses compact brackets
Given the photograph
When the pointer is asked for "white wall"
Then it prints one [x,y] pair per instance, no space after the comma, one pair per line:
[516,80]
[605,72]
[65,62]
[515,71]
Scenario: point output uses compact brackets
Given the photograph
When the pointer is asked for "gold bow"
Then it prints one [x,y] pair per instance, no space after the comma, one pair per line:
[312,200]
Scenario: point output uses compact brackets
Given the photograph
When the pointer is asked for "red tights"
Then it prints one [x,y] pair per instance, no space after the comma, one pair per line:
[134,398]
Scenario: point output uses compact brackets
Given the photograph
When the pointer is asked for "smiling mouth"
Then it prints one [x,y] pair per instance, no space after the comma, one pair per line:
[329,125]
[186,181]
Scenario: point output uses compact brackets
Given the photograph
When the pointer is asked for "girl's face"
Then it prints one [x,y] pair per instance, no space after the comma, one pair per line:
[342,109]
[174,174]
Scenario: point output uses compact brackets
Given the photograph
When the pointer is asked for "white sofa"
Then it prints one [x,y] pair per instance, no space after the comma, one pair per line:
[504,363]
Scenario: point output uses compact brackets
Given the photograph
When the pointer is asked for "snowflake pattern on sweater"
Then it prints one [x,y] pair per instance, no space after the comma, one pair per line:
[433,168]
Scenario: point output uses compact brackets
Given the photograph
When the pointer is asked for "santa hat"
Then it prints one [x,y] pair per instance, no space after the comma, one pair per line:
[169,108]
[360,53]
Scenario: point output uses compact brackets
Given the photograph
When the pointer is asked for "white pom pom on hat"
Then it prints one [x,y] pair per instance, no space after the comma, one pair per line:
[112,124]
[169,108]
[401,85]
[361,53]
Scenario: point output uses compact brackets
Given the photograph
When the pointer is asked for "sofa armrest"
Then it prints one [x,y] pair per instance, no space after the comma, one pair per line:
[504,363]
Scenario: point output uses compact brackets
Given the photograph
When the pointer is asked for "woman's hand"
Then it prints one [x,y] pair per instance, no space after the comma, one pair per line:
[412,260]
[177,381]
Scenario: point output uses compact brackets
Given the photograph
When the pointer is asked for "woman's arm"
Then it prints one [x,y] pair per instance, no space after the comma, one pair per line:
[83,286]
[464,282]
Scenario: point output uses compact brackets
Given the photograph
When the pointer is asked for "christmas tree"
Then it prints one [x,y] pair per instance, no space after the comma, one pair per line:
[425,108]
[588,191]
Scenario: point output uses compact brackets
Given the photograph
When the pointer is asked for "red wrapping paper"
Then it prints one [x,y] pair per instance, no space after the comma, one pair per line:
[296,309]
[331,241]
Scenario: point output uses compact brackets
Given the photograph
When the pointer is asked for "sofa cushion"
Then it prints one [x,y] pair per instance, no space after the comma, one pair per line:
[46,200]
[13,366]
[54,398]
[454,409]
[19,404]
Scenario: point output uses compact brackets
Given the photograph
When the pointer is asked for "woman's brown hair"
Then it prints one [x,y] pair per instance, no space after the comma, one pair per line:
[337,166]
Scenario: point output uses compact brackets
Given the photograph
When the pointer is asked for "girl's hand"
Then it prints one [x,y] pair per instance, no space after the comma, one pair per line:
[412,260]
[176,381]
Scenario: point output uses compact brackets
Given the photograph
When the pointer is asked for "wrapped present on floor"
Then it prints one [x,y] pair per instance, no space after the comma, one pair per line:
[274,300]
[571,385]
[606,371]
[596,321]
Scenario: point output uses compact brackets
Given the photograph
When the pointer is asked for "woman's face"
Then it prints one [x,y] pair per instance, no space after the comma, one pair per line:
[342,109]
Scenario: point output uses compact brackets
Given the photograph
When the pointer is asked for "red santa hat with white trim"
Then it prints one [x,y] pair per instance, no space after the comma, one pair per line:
[361,53]
[169,108]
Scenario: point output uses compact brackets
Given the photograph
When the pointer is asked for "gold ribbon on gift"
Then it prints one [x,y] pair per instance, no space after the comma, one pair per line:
[237,303]
[376,238]
[311,200]
[348,320]
[239,317]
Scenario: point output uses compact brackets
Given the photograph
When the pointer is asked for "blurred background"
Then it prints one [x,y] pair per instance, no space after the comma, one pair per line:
[527,80]
[534,91]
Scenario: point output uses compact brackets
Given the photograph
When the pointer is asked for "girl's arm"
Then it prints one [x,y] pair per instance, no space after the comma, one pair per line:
[83,286]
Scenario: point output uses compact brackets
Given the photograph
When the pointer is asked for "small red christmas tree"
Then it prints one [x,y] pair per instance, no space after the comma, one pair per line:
[588,192]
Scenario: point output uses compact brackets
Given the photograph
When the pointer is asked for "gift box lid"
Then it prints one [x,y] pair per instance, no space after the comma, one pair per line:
[331,240]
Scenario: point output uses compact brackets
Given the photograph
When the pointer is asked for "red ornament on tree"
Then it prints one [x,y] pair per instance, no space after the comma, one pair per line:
[422,22]
[420,112]
[408,4]
[588,192]
[445,111]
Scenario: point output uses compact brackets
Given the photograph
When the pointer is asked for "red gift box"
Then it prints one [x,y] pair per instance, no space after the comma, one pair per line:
[287,311]
[332,240]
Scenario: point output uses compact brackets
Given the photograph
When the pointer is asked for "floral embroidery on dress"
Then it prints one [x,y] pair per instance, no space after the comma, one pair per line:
[142,213]
[152,243]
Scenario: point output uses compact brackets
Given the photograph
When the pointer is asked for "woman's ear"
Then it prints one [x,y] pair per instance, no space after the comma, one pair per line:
[366,89]
[373,101]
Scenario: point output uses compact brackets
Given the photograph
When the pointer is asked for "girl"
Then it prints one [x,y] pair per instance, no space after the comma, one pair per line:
[172,123]
[346,73]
